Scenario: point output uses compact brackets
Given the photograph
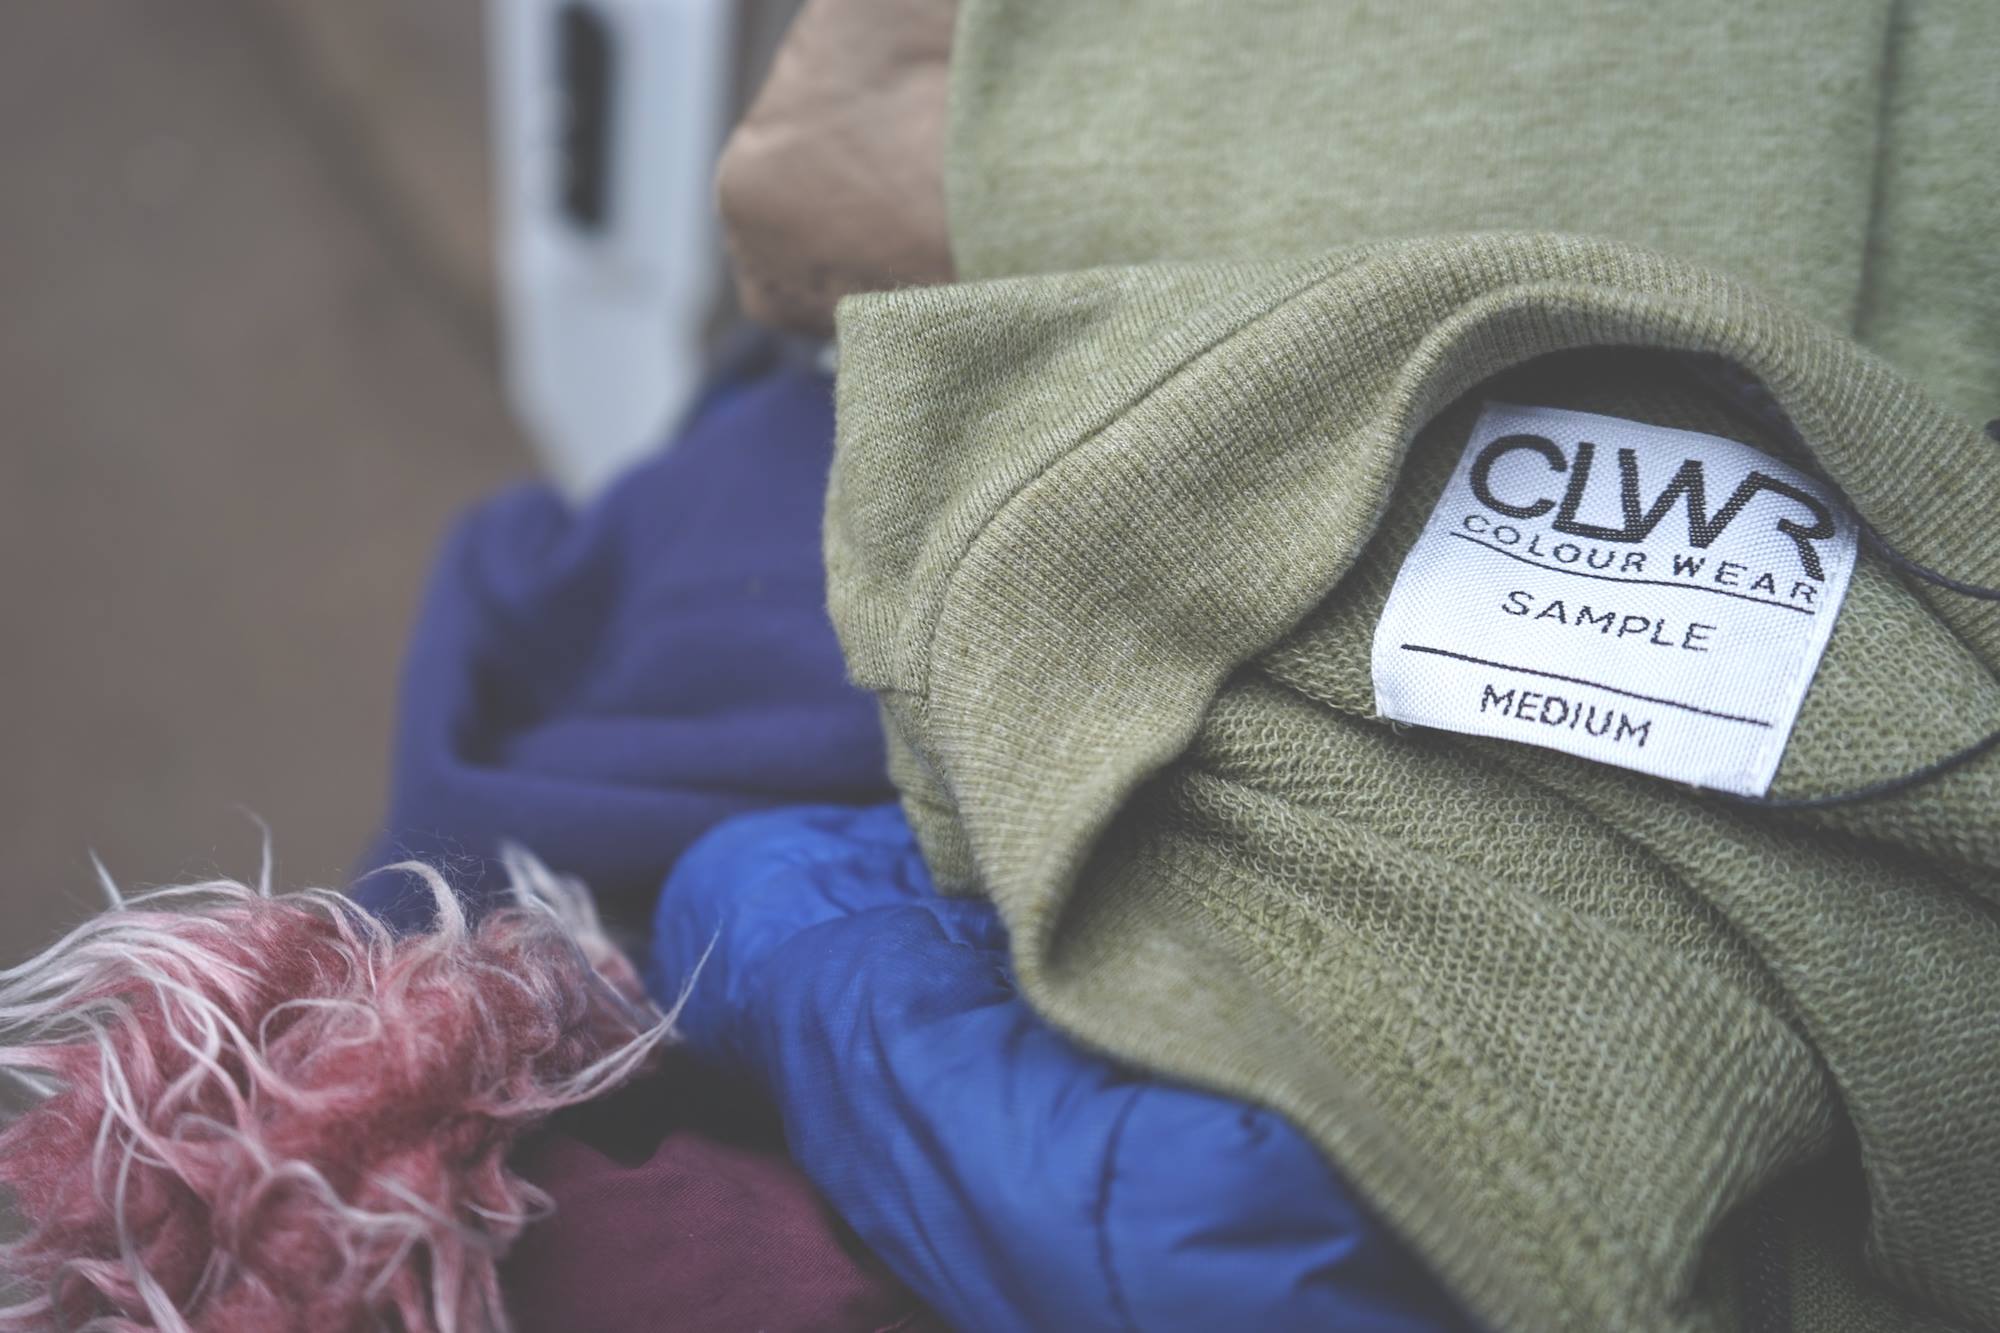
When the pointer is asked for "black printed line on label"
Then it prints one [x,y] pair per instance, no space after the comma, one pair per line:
[1612,578]
[1579,680]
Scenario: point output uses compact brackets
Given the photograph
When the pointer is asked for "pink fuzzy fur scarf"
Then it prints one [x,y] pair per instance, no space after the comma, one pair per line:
[260,1113]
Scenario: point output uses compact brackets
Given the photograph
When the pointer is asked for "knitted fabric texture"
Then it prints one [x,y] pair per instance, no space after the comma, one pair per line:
[1839,152]
[1110,547]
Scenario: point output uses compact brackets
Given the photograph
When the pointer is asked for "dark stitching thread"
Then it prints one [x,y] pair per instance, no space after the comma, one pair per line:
[1908,566]
[1595,685]
[1748,392]
[1886,787]
[1730,379]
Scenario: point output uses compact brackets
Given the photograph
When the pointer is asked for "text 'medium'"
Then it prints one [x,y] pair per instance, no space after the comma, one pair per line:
[1653,598]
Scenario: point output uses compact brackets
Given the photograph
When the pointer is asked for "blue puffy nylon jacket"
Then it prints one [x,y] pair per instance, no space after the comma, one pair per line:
[1011,1178]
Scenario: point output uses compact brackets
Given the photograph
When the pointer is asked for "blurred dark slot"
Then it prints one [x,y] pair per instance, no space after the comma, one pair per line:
[584,53]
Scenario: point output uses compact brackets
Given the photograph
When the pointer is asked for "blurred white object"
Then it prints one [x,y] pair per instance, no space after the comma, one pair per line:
[608,116]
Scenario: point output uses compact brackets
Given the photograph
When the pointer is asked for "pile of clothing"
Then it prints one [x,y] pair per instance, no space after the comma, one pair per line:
[994,761]
[863,1124]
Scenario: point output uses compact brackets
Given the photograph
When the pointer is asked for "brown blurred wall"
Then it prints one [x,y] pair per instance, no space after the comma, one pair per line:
[246,375]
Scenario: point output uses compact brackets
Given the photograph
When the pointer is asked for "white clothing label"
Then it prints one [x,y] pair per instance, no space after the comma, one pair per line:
[1652,598]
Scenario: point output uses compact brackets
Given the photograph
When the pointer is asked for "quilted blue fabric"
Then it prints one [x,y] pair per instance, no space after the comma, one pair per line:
[1013,1179]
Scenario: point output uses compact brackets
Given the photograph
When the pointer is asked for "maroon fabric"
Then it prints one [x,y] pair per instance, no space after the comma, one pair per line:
[677,1208]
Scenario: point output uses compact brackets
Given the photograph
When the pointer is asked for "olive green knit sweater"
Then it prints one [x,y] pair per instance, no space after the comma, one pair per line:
[1611,1053]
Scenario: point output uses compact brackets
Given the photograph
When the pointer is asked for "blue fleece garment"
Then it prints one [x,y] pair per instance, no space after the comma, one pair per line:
[602,686]
[1011,1178]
